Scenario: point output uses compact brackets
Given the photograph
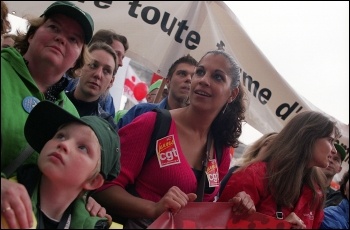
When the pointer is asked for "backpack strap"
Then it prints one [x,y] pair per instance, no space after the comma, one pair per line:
[161,129]
[218,150]
[12,167]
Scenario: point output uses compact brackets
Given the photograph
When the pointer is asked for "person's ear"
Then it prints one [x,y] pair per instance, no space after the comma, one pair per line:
[233,96]
[148,98]
[30,38]
[94,183]
[78,72]
[340,168]
[110,83]
[167,82]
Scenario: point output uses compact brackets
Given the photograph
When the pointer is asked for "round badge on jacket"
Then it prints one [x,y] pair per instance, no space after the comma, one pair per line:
[29,103]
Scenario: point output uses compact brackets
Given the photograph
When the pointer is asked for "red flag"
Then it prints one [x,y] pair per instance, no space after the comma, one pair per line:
[155,77]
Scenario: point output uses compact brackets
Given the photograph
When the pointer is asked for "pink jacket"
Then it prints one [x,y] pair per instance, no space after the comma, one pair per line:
[152,181]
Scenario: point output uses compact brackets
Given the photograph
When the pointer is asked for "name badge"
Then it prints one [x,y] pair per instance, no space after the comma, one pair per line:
[213,173]
[167,151]
[29,103]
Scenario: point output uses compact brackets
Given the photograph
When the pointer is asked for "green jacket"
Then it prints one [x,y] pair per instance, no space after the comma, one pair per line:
[16,84]
[29,176]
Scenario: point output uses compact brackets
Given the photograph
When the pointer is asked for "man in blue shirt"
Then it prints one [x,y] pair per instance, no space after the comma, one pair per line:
[337,217]
[178,83]
[333,197]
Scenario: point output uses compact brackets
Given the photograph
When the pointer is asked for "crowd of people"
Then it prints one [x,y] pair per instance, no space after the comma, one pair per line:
[70,160]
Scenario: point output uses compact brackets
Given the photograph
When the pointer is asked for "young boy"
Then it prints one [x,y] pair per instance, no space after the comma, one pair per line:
[76,155]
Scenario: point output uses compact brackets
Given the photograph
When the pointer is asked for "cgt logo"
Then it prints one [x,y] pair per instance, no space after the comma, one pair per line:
[169,155]
[213,177]
[168,158]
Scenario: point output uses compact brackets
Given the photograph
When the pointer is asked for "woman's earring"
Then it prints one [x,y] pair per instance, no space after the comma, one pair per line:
[225,108]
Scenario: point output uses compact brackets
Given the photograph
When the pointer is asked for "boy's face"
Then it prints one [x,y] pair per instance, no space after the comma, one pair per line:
[72,156]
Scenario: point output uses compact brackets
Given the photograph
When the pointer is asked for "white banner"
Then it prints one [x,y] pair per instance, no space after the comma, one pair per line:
[159,32]
[117,88]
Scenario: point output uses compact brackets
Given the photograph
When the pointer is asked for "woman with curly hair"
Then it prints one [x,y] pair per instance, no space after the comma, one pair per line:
[169,180]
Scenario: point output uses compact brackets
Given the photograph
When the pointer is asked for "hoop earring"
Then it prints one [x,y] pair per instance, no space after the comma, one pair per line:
[225,108]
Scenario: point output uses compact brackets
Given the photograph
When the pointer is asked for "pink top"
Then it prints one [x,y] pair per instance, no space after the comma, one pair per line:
[152,181]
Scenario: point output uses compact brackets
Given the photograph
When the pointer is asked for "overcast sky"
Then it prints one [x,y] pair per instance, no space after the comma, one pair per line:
[308,44]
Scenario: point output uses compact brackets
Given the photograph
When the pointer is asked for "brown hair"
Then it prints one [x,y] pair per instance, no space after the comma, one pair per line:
[251,151]
[290,153]
[13,36]
[5,36]
[5,23]
[188,59]
[109,36]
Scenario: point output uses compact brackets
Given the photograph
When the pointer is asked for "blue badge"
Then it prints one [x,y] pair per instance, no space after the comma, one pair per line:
[29,102]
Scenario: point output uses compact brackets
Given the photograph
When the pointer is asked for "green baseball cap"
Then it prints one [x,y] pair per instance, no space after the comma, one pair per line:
[340,149]
[45,119]
[119,114]
[156,85]
[71,10]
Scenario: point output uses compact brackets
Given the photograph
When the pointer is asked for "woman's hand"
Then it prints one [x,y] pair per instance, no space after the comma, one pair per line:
[16,206]
[174,200]
[242,204]
[296,222]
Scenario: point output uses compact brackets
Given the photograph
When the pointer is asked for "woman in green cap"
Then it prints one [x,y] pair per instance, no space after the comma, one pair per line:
[32,71]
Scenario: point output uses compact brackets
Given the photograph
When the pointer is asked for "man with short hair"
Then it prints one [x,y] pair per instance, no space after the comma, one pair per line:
[333,197]
[178,83]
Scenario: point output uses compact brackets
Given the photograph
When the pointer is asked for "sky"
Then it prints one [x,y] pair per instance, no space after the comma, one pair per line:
[307,43]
